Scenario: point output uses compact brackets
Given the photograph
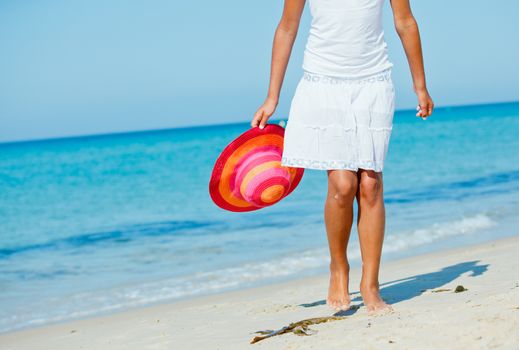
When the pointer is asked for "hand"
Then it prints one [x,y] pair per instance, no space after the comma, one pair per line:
[425,104]
[263,113]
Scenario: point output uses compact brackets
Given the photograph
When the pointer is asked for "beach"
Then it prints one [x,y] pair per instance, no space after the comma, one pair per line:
[112,241]
[428,312]
[123,227]
[106,223]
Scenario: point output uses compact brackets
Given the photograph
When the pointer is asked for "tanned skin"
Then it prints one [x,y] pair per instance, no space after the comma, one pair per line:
[346,185]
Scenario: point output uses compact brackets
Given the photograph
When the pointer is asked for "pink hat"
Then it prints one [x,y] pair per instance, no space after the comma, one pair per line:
[248,174]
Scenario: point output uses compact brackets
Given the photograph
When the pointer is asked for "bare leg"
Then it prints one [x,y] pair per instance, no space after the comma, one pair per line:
[338,216]
[371,226]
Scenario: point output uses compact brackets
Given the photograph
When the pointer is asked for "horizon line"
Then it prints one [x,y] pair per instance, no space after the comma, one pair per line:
[195,126]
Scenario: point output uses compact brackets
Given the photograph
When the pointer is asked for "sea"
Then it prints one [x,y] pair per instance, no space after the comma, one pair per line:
[98,224]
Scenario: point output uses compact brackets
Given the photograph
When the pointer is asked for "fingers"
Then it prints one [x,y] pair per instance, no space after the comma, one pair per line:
[260,119]
[263,121]
[425,111]
[421,113]
[258,116]
[431,108]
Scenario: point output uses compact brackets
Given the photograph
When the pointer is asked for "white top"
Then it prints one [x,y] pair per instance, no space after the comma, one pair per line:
[346,38]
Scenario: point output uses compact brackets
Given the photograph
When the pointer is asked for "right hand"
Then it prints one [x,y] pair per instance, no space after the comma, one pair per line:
[263,113]
[425,104]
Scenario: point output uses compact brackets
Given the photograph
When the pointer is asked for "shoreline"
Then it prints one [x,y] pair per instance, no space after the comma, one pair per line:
[484,315]
[316,270]
[355,263]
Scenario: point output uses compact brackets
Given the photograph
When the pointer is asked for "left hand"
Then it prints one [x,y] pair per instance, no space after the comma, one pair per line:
[425,104]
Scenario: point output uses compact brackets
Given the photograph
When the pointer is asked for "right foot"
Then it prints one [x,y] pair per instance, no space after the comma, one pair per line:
[375,305]
[338,293]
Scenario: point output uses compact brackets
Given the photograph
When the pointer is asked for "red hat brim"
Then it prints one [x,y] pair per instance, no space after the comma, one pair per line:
[220,184]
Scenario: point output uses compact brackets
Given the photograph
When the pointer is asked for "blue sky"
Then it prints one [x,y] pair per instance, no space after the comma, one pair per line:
[72,67]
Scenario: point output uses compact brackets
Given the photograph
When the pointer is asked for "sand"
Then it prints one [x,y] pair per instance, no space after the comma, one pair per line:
[485,316]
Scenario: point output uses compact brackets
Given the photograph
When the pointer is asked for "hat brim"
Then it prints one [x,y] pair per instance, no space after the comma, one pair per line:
[220,187]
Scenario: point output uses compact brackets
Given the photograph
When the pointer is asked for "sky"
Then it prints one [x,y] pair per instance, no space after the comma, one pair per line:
[71,67]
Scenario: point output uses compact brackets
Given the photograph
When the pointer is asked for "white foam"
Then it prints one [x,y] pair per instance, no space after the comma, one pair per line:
[87,304]
[419,237]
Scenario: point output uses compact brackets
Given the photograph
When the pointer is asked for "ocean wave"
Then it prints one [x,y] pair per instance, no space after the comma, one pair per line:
[497,183]
[120,235]
[419,237]
[292,265]
[459,190]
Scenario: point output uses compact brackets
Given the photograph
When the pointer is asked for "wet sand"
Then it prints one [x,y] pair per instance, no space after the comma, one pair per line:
[429,313]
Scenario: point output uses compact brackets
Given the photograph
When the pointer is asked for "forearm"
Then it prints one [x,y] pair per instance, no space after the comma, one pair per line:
[410,36]
[281,50]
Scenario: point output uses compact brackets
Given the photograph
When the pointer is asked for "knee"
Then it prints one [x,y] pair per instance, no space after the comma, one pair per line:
[370,189]
[345,193]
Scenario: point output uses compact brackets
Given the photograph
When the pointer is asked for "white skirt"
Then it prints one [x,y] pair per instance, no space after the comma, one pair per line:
[340,123]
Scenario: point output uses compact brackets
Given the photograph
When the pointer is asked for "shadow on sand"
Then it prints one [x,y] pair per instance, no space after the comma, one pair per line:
[413,286]
[392,292]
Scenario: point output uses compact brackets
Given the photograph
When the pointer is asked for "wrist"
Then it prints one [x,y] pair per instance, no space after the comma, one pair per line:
[420,89]
[272,99]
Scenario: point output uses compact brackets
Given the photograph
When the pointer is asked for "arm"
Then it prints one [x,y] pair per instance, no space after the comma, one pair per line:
[407,30]
[284,38]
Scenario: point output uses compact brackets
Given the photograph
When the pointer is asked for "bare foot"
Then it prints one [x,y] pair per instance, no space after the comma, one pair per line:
[338,293]
[375,305]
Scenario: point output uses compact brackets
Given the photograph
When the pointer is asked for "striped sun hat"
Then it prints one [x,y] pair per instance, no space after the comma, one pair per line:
[248,174]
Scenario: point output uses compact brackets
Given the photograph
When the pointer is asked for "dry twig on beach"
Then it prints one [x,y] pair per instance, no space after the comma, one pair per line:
[298,328]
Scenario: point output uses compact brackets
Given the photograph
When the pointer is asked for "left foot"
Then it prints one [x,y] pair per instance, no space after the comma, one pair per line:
[374,303]
[338,294]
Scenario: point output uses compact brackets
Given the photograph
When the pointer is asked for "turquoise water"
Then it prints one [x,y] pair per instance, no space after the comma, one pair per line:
[97,224]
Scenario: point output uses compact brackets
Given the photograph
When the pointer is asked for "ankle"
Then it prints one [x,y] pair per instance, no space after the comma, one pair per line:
[369,287]
[339,265]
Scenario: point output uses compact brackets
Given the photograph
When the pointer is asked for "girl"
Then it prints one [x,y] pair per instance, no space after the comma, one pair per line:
[340,120]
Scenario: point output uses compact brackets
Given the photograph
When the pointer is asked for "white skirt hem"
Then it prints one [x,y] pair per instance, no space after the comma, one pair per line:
[330,164]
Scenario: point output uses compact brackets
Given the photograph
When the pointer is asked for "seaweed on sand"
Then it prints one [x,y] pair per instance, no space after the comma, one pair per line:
[460,289]
[299,328]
